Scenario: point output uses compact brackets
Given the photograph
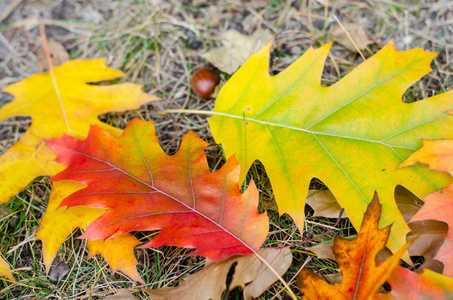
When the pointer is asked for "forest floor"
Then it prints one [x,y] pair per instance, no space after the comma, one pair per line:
[159,44]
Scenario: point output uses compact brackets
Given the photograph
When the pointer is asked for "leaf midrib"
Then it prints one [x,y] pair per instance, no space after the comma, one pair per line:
[254,119]
[322,133]
[163,193]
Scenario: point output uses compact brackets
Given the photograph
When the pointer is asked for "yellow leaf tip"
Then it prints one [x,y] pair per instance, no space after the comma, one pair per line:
[324,48]
[268,45]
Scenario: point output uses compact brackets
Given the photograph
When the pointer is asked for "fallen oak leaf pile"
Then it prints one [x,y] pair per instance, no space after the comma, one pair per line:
[428,236]
[362,276]
[114,184]
[65,103]
[145,189]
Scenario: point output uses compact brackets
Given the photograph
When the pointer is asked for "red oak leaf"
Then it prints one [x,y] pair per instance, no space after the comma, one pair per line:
[145,189]
[426,286]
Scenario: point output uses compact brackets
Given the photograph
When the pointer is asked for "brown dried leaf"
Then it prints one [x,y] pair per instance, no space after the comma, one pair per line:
[279,259]
[236,49]
[408,203]
[323,251]
[430,235]
[210,282]
[355,32]
[121,295]
[58,55]
[58,270]
[324,204]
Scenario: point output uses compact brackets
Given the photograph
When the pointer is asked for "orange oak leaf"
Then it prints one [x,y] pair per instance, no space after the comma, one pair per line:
[410,285]
[438,154]
[145,189]
[58,223]
[356,259]
[64,103]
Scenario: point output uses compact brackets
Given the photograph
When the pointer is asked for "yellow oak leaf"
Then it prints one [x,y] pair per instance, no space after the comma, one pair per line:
[58,104]
[351,135]
[57,224]
[4,269]
[119,253]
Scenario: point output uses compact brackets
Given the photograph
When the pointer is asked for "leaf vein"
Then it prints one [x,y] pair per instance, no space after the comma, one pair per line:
[339,166]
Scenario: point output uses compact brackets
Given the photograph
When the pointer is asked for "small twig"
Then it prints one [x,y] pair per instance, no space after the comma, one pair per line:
[301,267]
[321,225]
[288,289]
[318,271]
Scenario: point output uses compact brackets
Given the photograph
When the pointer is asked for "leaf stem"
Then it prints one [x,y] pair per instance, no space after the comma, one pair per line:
[334,227]
[349,36]
[285,284]
[52,76]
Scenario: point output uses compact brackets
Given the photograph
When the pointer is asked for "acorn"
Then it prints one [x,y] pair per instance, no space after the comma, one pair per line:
[203,82]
